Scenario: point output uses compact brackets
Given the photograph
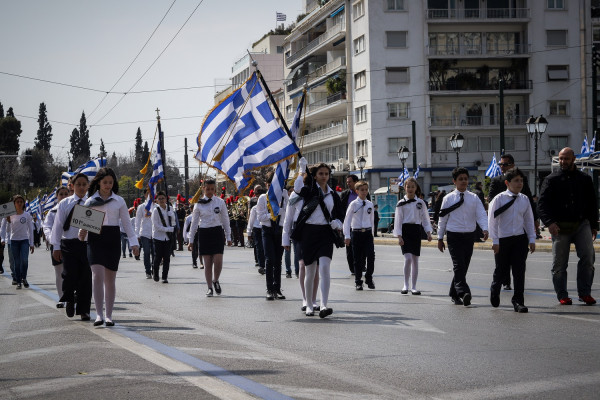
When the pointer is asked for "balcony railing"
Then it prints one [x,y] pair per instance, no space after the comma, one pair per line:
[320,71]
[334,131]
[470,50]
[457,85]
[477,14]
[479,120]
[314,106]
[328,34]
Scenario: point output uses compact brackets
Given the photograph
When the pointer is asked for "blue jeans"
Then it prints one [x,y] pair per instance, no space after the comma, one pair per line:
[148,248]
[20,251]
[584,247]
[287,256]
[125,244]
[11,261]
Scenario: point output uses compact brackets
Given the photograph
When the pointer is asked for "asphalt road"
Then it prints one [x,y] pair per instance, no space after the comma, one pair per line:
[171,341]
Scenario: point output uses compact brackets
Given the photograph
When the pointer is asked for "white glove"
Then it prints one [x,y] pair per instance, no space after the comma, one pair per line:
[170,229]
[303,164]
[336,224]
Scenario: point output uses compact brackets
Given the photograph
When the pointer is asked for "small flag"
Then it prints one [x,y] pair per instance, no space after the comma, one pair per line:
[593,145]
[50,201]
[158,175]
[584,147]
[494,169]
[403,177]
[281,16]
[416,174]
[64,179]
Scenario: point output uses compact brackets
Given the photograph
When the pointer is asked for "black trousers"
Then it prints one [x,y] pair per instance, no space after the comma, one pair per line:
[162,252]
[460,246]
[271,237]
[196,249]
[363,251]
[1,253]
[350,257]
[513,253]
[259,250]
[77,275]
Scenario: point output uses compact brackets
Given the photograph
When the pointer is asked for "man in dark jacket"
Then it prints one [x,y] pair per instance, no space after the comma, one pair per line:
[569,208]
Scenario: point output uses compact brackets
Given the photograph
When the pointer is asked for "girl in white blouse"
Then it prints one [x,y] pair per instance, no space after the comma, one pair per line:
[104,251]
[411,215]
[20,232]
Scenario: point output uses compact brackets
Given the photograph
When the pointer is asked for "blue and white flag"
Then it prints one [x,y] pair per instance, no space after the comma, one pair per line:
[593,145]
[584,147]
[494,169]
[34,205]
[241,134]
[64,179]
[91,167]
[282,172]
[416,174]
[403,177]
[158,174]
[50,201]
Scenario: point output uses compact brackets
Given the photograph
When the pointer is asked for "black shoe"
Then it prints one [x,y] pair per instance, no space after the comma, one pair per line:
[19,286]
[457,301]
[99,322]
[156,278]
[325,312]
[209,293]
[148,276]
[404,291]
[507,287]
[165,280]
[137,258]
[260,271]
[288,275]
[25,283]
[359,287]
[70,309]
[466,299]
[1,270]
[279,295]
[270,296]
[520,308]
[14,282]
[316,308]
[495,299]
[217,286]
[85,317]
[303,308]
[124,256]
[60,305]
[371,285]
[364,269]
[415,292]
[110,323]
[194,265]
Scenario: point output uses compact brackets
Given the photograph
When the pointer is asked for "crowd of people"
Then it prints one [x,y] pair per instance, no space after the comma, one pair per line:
[311,219]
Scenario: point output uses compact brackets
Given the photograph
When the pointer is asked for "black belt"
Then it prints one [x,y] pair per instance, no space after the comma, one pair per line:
[362,230]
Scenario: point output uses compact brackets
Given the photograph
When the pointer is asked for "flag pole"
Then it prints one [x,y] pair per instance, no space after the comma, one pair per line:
[162,154]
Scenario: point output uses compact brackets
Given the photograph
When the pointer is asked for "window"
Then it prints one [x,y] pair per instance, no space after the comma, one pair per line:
[556,38]
[558,107]
[359,44]
[395,5]
[394,144]
[558,72]
[360,80]
[361,148]
[279,49]
[556,4]
[398,110]
[396,39]
[558,142]
[360,114]
[358,9]
[396,75]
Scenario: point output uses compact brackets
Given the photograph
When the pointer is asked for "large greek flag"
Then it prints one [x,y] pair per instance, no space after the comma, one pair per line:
[241,134]
[64,179]
[282,172]
[50,201]
[494,169]
[158,174]
[91,167]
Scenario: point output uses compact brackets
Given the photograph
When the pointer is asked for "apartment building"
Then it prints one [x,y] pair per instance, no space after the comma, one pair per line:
[373,67]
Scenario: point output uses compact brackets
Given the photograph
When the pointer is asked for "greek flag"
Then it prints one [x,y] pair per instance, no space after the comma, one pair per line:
[494,169]
[584,147]
[593,145]
[64,179]
[280,16]
[50,201]
[241,134]
[34,205]
[416,174]
[403,177]
[158,174]
[91,167]
[282,172]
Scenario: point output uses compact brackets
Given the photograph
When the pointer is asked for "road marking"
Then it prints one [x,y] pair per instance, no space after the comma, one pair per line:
[32,317]
[27,354]
[240,355]
[36,332]
[316,393]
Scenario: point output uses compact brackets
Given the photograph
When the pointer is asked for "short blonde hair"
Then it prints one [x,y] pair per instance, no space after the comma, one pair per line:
[360,184]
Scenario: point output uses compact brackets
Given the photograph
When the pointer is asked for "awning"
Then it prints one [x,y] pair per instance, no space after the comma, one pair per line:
[294,72]
[336,12]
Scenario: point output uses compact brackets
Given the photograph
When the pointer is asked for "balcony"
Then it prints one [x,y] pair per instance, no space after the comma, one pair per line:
[337,132]
[479,50]
[321,71]
[454,85]
[476,15]
[326,36]
[452,121]
[333,99]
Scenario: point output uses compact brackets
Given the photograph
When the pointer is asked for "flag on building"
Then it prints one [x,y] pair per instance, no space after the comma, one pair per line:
[158,175]
[241,134]
[593,145]
[584,147]
[416,174]
[280,16]
[403,177]
[493,169]
[282,172]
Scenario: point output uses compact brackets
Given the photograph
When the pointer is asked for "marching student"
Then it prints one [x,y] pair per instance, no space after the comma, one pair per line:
[5,239]
[211,221]
[61,193]
[77,276]
[359,225]
[187,240]
[104,248]
[20,233]
[512,230]
[254,230]
[411,214]
[271,239]
[163,220]
[292,212]
[321,214]
[143,230]
[461,210]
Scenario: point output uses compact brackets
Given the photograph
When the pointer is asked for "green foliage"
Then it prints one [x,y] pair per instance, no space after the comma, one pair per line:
[1,111]
[139,150]
[80,142]
[103,153]
[127,190]
[336,84]
[44,133]
[38,162]
[10,113]
[145,154]
[10,130]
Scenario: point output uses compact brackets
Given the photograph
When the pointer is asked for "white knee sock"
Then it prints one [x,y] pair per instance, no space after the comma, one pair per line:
[407,266]
[324,273]
[302,276]
[98,288]
[311,270]
[110,289]
[415,271]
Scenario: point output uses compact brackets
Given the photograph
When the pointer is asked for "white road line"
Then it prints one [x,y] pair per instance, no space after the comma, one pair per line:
[245,355]
[33,317]
[36,332]
[316,393]
[41,352]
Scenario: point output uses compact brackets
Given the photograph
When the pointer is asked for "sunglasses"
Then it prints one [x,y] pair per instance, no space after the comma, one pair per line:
[504,164]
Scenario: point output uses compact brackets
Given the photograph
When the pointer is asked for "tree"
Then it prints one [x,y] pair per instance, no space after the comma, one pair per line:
[44,133]
[138,147]
[10,130]
[80,142]
[127,190]
[113,159]
[1,111]
[10,112]
[38,161]
[145,154]
[103,152]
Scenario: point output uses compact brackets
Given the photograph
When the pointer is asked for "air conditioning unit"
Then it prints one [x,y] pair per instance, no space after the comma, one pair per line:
[341,164]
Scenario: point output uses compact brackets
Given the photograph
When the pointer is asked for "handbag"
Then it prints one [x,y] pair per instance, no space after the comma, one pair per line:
[305,213]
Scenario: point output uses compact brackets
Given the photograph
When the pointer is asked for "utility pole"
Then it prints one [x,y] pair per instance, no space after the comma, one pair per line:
[501,88]
[186,171]
[414,146]
[595,66]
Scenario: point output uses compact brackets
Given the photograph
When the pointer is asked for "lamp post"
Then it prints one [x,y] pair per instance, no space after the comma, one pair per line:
[403,154]
[536,128]
[361,164]
[332,167]
[456,142]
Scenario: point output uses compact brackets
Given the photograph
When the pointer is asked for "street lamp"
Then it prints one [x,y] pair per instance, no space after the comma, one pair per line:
[536,128]
[361,164]
[456,142]
[403,154]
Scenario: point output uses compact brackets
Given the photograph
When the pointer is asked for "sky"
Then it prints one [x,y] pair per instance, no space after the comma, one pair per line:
[90,44]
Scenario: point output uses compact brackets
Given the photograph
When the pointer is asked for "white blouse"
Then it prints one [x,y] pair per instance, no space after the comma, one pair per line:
[411,213]
[211,214]
[159,231]
[115,210]
[20,227]
[62,212]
